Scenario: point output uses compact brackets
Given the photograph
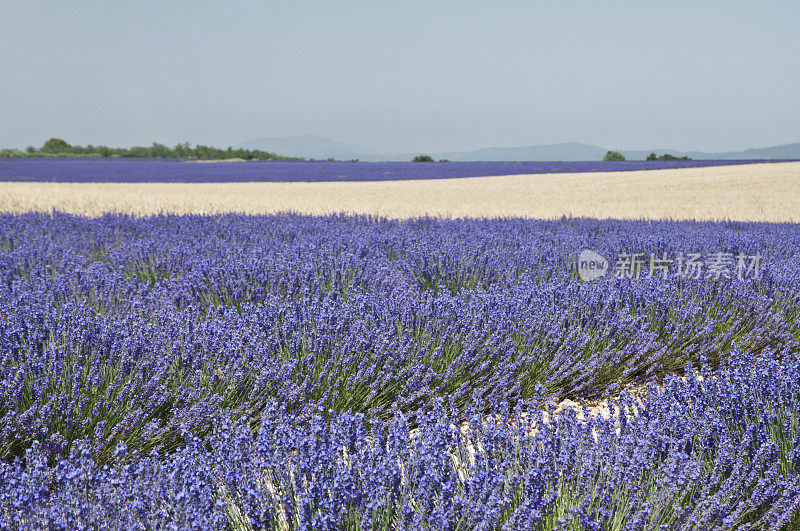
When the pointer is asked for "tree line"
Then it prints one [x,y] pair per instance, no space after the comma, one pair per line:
[616,155]
[56,147]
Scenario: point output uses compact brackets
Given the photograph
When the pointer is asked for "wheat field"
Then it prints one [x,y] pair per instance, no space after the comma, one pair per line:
[752,192]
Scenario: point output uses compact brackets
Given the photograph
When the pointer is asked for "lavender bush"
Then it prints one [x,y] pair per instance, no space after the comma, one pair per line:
[326,372]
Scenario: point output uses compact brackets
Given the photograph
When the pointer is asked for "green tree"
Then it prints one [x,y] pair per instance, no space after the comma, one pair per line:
[56,145]
[159,150]
[652,156]
[422,158]
[614,155]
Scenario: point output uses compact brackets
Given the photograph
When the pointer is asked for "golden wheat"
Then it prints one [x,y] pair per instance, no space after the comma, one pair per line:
[753,192]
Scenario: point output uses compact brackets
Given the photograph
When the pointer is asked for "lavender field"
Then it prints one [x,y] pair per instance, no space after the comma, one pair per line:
[80,170]
[328,372]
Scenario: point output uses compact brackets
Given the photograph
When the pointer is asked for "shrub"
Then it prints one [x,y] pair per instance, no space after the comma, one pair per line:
[614,155]
[422,158]
[666,156]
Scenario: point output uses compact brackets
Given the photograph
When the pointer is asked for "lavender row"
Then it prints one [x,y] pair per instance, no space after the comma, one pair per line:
[161,170]
[716,453]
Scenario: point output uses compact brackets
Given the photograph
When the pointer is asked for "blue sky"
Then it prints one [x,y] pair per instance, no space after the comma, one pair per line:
[403,76]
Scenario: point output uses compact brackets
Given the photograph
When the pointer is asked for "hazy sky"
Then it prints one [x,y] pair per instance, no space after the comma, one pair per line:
[403,76]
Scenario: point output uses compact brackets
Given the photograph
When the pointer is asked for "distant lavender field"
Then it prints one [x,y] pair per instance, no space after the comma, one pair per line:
[159,170]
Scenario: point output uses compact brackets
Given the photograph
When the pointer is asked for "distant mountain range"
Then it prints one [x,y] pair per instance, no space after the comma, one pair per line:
[320,147]
[313,147]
